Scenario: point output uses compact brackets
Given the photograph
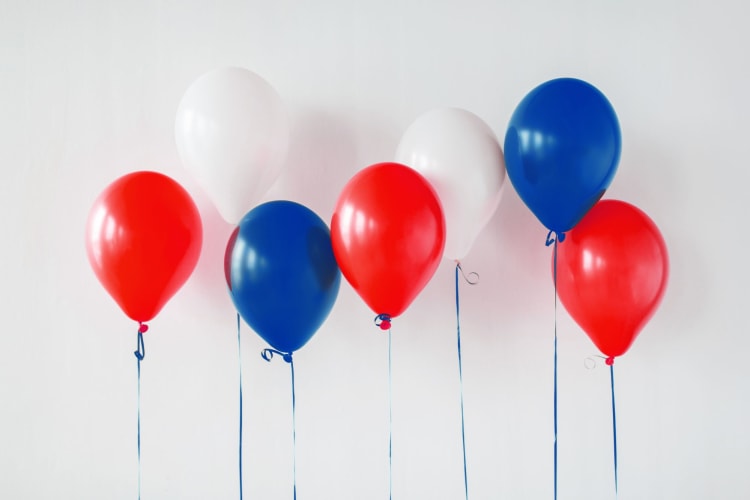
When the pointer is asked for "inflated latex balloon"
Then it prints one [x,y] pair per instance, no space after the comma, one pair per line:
[562,149]
[612,272]
[232,134]
[143,240]
[388,235]
[282,275]
[460,156]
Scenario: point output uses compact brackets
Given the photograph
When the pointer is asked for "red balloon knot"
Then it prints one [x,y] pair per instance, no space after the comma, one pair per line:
[610,361]
[142,327]
[385,325]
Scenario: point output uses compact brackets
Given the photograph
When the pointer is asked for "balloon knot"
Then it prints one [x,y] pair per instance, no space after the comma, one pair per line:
[140,351]
[142,327]
[383,321]
[267,354]
[553,236]
[610,361]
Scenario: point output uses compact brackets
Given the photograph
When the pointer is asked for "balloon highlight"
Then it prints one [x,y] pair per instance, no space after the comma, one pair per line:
[612,273]
[143,240]
[283,277]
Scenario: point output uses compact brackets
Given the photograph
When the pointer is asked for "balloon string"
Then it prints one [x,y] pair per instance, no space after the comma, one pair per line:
[267,354]
[555,237]
[390,418]
[239,356]
[140,353]
[555,379]
[383,321]
[614,418]
[294,431]
[461,382]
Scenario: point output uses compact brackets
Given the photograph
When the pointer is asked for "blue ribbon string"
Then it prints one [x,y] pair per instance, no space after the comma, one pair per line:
[239,356]
[390,419]
[610,362]
[140,353]
[267,354]
[294,429]
[555,237]
[461,381]
[384,322]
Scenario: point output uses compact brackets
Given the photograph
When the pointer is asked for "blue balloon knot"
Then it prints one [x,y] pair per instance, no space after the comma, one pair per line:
[553,236]
[267,354]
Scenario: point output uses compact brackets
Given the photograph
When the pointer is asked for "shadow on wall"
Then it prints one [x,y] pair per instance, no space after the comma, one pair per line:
[513,263]
[326,150]
[208,278]
[652,178]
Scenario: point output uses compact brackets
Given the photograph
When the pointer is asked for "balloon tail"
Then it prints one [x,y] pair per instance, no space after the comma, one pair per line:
[139,353]
[461,378]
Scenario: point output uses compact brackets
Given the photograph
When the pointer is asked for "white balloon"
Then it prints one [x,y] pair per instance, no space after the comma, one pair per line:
[461,157]
[232,134]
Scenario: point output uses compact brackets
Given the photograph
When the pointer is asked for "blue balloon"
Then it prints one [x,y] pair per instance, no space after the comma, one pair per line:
[562,148]
[283,276]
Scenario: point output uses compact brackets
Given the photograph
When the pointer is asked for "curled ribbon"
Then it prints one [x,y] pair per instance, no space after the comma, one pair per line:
[140,351]
[267,354]
[590,362]
[472,278]
[553,236]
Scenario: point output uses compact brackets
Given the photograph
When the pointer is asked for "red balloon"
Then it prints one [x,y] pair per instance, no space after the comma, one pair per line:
[143,240]
[612,272]
[388,235]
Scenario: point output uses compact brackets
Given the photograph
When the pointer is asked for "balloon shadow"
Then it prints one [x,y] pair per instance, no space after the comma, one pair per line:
[209,275]
[646,174]
[326,150]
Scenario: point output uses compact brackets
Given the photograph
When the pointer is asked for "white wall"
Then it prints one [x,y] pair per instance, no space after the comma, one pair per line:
[88,92]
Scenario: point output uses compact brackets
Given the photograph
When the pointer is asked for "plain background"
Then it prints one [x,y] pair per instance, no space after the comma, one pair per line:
[88,92]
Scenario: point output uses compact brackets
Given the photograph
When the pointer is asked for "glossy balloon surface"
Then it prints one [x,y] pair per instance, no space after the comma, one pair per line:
[143,240]
[562,149]
[388,235]
[612,274]
[283,277]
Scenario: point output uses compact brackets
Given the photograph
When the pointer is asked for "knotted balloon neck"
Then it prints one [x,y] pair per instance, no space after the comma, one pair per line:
[267,354]
[472,278]
[140,351]
[553,236]
[383,321]
[590,362]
